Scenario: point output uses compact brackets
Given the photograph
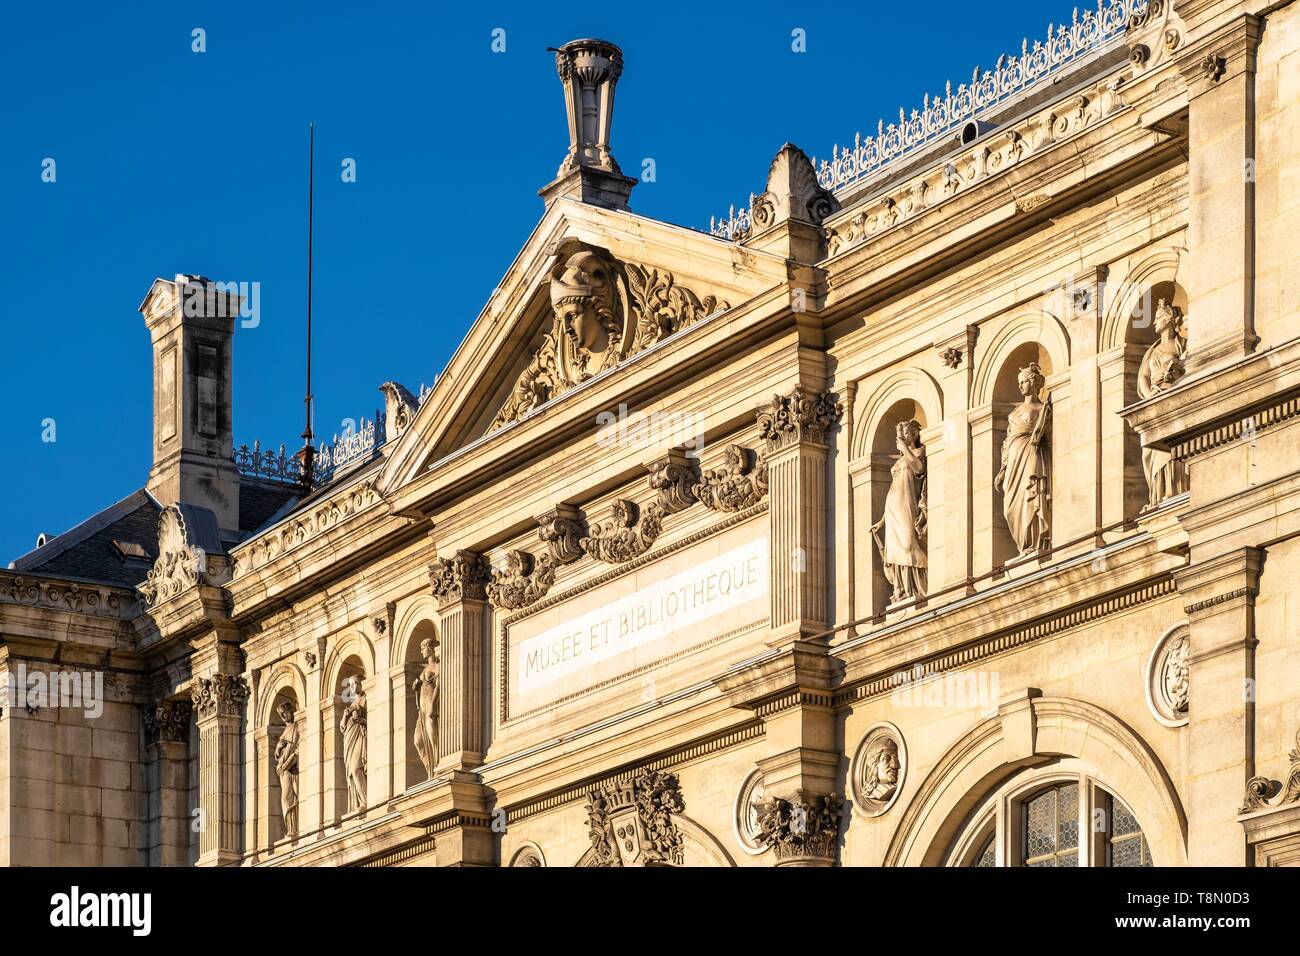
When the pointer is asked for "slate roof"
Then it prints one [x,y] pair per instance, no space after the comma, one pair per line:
[88,552]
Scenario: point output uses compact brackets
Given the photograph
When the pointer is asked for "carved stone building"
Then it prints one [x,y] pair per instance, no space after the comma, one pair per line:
[941,507]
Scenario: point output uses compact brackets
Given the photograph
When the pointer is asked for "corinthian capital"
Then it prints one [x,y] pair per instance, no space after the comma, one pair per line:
[805,828]
[220,695]
[800,416]
[464,576]
[167,720]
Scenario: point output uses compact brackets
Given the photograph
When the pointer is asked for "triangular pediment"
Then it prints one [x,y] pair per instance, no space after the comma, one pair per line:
[591,289]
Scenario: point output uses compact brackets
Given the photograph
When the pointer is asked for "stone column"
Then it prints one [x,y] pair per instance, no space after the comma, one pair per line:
[796,429]
[1219,69]
[1219,597]
[801,752]
[951,536]
[167,736]
[219,703]
[311,788]
[459,584]
[990,541]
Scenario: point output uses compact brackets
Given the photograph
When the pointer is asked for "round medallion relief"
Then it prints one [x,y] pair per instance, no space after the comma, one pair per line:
[878,769]
[1168,669]
[530,854]
[746,816]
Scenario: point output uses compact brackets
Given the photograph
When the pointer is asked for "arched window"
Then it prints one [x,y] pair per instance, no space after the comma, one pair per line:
[1060,816]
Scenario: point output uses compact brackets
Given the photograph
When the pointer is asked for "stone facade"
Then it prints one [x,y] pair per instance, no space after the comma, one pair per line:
[937,514]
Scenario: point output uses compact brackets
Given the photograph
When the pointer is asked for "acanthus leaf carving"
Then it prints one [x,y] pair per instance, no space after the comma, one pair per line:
[462,577]
[523,580]
[180,565]
[740,483]
[603,311]
[1263,793]
[799,416]
[221,695]
[627,535]
[807,826]
[673,478]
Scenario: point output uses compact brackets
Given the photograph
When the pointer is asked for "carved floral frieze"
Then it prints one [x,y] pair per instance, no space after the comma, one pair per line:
[739,483]
[63,596]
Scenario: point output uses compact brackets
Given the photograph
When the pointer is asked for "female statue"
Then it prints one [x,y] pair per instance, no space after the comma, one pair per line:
[1025,476]
[426,720]
[286,767]
[1161,368]
[353,726]
[903,542]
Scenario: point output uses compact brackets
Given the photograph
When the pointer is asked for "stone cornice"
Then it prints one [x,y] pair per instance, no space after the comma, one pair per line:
[75,597]
[1203,410]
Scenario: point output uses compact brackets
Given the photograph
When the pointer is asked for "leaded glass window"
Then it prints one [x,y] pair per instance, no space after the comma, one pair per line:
[1052,827]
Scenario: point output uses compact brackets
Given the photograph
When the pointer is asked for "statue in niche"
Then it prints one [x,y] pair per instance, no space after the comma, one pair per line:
[353,726]
[286,767]
[426,721]
[880,778]
[900,534]
[1162,367]
[1025,476]
[588,327]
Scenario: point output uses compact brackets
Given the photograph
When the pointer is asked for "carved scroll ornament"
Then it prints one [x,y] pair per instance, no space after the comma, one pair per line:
[603,311]
[180,565]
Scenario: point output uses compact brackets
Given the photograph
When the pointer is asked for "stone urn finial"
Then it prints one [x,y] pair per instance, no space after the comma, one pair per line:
[589,70]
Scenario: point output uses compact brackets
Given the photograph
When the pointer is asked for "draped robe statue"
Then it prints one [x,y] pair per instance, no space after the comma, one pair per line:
[286,767]
[426,720]
[1025,476]
[900,534]
[1162,367]
[353,726]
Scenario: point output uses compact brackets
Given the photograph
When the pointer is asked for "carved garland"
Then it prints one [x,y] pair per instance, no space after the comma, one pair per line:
[323,517]
[523,579]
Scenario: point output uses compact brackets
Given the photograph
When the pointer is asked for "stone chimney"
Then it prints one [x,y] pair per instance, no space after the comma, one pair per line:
[589,70]
[191,321]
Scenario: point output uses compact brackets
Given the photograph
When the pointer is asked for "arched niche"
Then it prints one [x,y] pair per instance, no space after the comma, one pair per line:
[1128,332]
[1006,396]
[272,811]
[412,770]
[347,672]
[901,396]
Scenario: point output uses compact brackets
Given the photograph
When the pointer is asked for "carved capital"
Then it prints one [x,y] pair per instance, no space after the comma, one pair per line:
[807,827]
[167,720]
[800,416]
[462,577]
[221,695]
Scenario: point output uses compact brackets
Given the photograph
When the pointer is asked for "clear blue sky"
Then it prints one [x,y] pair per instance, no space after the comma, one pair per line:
[173,161]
